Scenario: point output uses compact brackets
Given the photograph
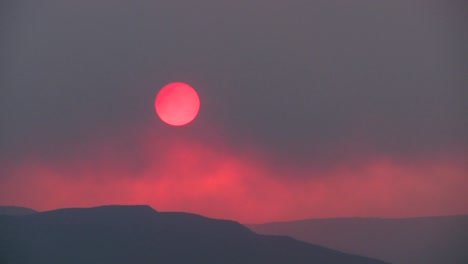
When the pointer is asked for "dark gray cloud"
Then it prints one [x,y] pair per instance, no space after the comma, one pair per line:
[302,78]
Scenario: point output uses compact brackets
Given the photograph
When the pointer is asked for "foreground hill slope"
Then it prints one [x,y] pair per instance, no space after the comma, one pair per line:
[420,240]
[139,234]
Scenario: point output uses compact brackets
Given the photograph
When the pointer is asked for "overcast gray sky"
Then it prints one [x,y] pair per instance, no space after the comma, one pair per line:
[305,81]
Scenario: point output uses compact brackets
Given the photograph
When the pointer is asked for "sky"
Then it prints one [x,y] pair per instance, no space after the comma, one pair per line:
[309,109]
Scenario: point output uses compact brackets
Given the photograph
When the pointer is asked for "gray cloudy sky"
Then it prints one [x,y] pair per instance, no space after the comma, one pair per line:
[304,81]
[301,75]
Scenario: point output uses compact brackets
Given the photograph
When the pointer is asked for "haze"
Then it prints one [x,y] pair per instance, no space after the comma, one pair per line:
[310,108]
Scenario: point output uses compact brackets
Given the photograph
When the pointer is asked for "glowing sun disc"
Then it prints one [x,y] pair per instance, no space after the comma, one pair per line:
[177,104]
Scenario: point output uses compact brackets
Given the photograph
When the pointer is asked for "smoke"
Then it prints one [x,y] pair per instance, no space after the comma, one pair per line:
[177,172]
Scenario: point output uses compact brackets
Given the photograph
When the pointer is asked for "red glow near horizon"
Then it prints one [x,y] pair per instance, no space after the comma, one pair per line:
[177,104]
[182,174]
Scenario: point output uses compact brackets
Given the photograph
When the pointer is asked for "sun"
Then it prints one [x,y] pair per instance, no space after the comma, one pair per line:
[177,104]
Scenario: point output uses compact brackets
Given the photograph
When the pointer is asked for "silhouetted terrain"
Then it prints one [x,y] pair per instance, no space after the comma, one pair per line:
[16,210]
[139,234]
[421,240]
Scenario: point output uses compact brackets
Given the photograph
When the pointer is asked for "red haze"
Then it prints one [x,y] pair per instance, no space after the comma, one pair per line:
[183,174]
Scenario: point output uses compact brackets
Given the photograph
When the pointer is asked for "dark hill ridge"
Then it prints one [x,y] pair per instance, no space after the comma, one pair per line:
[139,234]
[16,210]
[421,240]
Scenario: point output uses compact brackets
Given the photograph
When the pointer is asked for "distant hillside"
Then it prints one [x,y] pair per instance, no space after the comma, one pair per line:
[139,234]
[16,210]
[423,240]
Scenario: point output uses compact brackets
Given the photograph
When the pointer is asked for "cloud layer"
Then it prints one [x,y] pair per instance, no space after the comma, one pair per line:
[182,173]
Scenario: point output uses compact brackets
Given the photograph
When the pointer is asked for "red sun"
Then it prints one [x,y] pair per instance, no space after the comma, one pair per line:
[177,104]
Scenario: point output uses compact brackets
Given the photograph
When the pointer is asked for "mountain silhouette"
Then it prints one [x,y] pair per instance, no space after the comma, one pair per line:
[139,234]
[16,210]
[428,240]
